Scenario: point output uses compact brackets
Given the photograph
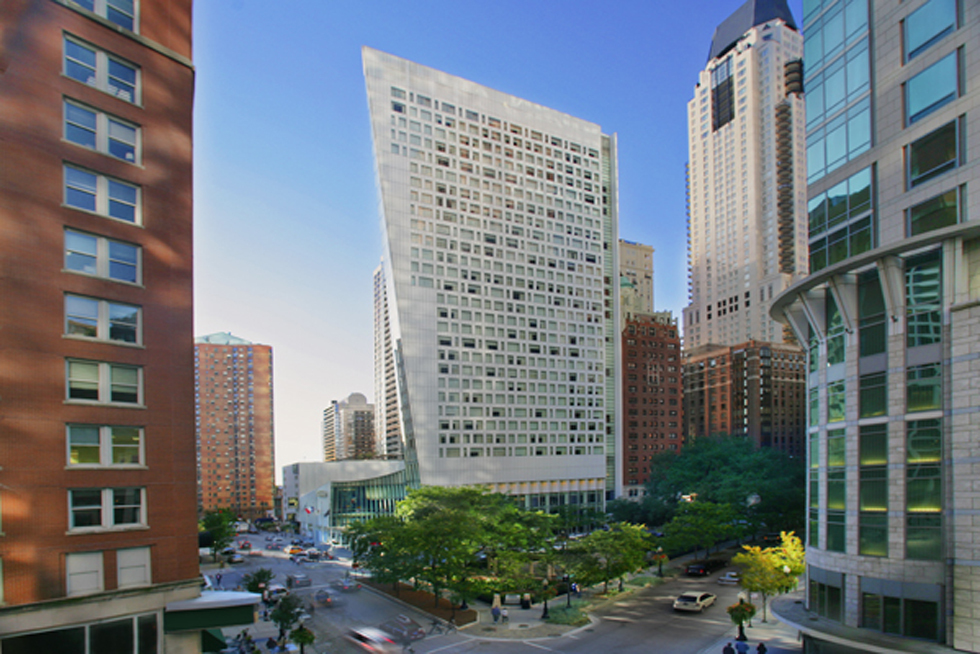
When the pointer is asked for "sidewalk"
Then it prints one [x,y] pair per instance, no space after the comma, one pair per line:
[778,637]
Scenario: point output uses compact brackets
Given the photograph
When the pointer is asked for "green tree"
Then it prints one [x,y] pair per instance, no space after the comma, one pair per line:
[220,524]
[609,554]
[772,570]
[763,485]
[286,613]
[254,582]
[302,637]
[699,525]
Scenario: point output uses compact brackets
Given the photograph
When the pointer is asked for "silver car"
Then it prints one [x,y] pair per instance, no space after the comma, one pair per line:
[696,602]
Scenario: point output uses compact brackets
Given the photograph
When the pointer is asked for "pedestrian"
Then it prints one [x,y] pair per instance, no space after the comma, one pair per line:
[742,647]
[728,649]
[762,649]
[504,616]
[271,644]
[217,579]
[495,612]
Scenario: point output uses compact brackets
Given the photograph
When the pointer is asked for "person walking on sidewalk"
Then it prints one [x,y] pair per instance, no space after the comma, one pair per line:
[742,647]
[495,612]
[728,649]
[504,616]
[762,649]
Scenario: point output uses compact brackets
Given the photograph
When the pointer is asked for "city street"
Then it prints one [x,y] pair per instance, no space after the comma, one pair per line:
[644,622]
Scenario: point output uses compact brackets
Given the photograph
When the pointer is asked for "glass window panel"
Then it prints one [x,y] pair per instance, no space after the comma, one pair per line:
[83,445]
[837,204]
[932,88]
[80,125]
[818,255]
[114,636]
[924,388]
[891,615]
[125,384]
[814,407]
[924,441]
[836,143]
[125,445]
[80,62]
[148,634]
[121,13]
[836,531]
[123,259]
[122,201]
[871,611]
[859,188]
[836,404]
[855,17]
[80,188]
[817,211]
[929,24]
[836,490]
[858,129]
[86,508]
[126,506]
[873,534]
[935,213]
[122,141]
[62,641]
[80,252]
[123,322]
[923,489]
[857,71]
[921,617]
[814,531]
[834,602]
[816,157]
[923,537]
[83,380]
[835,448]
[81,316]
[837,244]
[933,154]
[122,80]
[923,300]
[873,445]
[833,32]
[874,489]
[814,99]
[873,399]
[861,236]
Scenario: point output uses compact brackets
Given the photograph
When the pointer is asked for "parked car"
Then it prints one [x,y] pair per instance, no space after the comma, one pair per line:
[274,546]
[236,558]
[730,578]
[245,545]
[228,551]
[346,585]
[369,639]
[704,568]
[697,602]
[403,629]
[298,581]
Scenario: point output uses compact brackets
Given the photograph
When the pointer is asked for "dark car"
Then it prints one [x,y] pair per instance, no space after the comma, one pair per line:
[298,581]
[403,629]
[704,568]
[325,598]
[345,585]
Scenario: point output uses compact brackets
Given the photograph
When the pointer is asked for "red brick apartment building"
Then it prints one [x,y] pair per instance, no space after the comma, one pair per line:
[98,520]
[652,394]
[754,389]
[233,380]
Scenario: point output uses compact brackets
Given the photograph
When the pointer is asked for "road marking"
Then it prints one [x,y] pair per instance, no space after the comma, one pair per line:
[532,644]
[615,619]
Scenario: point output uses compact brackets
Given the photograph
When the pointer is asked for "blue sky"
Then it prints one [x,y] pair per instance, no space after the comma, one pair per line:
[287,228]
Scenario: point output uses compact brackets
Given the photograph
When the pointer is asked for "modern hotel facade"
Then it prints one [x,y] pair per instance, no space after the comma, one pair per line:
[891,313]
[500,259]
[746,178]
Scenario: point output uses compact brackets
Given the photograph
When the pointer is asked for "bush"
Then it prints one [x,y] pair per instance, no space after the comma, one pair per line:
[573,617]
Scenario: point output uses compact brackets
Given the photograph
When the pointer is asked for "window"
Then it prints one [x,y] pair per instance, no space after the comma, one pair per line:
[872,330]
[933,88]
[873,397]
[106,445]
[924,388]
[844,211]
[928,25]
[93,381]
[835,332]
[104,71]
[99,131]
[85,574]
[923,300]
[826,599]
[933,154]
[102,257]
[101,319]
[873,492]
[106,508]
[120,12]
[133,567]
[836,490]
[103,195]
[923,490]
[836,401]
[935,213]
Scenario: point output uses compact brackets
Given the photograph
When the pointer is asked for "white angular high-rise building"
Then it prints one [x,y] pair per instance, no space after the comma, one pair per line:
[387,424]
[500,259]
[747,238]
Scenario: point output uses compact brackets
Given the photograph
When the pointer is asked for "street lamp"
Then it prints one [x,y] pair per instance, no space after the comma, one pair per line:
[660,561]
[568,591]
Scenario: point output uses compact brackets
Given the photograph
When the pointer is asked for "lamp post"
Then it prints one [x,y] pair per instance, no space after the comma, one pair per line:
[568,591]
[660,561]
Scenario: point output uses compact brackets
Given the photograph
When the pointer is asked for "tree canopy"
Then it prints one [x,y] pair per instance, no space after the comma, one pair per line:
[765,487]
[608,554]
[221,525]
[772,570]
